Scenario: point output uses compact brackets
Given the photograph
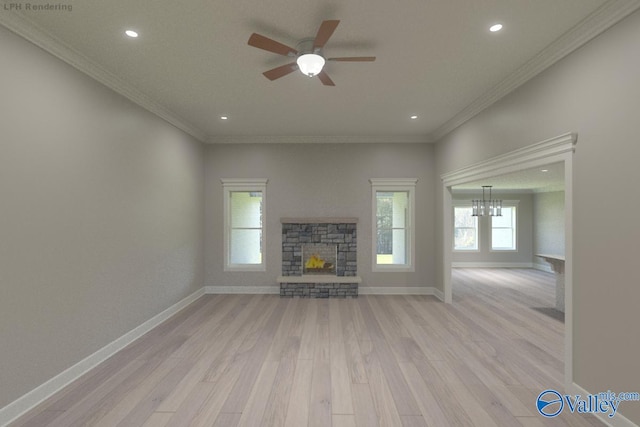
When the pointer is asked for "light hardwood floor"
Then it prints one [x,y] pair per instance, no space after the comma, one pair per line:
[257,360]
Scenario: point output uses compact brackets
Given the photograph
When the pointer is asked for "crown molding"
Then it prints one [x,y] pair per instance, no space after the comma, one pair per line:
[317,139]
[26,29]
[607,15]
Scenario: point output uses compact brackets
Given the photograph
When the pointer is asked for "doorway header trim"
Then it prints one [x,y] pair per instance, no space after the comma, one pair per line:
[513,160]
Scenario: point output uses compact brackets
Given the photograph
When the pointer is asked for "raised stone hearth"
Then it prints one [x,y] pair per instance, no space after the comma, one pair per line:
[319,286]
[327,266]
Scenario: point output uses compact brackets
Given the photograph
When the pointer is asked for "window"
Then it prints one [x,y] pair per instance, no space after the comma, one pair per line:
[244,202]
[393,218]
[503,230]
[465,229]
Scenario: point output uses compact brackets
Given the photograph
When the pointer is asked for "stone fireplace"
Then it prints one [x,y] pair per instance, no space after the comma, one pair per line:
[319,257]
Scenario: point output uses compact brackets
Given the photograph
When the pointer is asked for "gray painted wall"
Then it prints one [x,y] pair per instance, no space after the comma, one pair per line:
[548,225]
[524,236]
[593,92]
[307,180]
[101,216]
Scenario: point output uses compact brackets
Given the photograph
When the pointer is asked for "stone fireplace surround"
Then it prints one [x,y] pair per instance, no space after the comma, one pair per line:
[341,232]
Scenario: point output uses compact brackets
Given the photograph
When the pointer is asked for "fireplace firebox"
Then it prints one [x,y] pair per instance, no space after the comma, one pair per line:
[319,259]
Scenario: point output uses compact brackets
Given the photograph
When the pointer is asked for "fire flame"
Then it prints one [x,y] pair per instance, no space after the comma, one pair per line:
[314,261]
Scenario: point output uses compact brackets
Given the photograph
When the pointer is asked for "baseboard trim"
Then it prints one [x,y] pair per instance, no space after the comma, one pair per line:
[618,420]
[362,290]
[490,264]
[401,290]
[257,290]
[38,395]
[543,267]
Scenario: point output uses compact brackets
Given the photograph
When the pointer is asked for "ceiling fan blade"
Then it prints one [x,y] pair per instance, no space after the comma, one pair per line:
[262,42]
[280,71]
[324,78]
[324,32]
[354,59]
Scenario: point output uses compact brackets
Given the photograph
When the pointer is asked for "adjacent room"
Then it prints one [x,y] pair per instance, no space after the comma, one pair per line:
[518,222]
[319,213]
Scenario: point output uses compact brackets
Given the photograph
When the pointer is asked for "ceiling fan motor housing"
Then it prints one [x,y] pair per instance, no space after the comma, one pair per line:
[310,61]
[305,46]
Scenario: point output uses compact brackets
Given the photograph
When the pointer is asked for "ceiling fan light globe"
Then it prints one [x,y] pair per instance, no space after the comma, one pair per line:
[310,64]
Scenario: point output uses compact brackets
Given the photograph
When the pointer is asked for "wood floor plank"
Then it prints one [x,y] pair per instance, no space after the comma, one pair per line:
[209,330]
[253,411]
[281,335]
[158,419]
[191,404]
[431,411]
[320,402]
[42,417]
[308,338]
[210,409]
[413,421]
[532,422]
[353,356]
[229,360]
[363,406]
[97,400]
[241,337]
[227,420]
[242,389]
[359,325]
[381,394]
[129,399]
[404,400]
[278,401]
[341,401]
[147,405]
[229,327]
[343,421]
[298,407]
[476,411]
[393,329]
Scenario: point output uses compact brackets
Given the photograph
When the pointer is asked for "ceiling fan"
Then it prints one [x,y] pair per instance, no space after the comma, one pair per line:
[308,54]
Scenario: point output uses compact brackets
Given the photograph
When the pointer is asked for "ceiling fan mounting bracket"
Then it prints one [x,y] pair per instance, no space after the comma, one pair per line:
[305,46]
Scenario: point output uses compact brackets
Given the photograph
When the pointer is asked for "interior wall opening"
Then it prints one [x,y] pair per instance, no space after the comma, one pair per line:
[540,156]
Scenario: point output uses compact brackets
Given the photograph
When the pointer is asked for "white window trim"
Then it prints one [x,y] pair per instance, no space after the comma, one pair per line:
[394,184]
[506,204]
[231,185]
[463,204]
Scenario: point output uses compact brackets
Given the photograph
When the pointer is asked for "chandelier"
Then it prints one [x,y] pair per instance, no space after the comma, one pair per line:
[491,207]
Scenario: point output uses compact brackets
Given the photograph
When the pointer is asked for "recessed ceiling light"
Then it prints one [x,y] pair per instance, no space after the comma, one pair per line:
[131,33]
[413,117]
[496,27]
[544,170]
[224,117]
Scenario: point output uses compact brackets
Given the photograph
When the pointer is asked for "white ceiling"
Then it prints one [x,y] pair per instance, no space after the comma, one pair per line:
[436,59]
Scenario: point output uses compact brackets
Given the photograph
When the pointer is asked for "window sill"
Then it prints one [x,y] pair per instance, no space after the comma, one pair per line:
[393,269]
[244,268]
